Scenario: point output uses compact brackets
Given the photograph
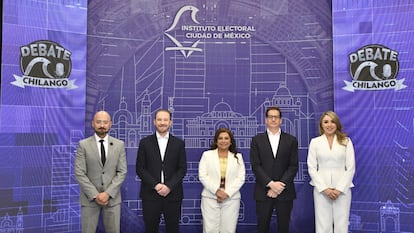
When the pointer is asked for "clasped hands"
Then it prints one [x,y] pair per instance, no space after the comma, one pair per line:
[162,189]
[102,199]
[332,193]
[221,195]
[275,188]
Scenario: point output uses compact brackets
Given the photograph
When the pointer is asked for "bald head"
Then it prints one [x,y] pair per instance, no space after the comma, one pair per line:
[101,123]
[102,114]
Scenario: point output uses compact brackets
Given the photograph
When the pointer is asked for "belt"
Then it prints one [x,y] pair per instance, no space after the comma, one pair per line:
[222,182]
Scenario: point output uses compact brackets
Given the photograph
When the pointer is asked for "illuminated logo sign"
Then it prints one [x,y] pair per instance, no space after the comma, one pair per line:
[374,67]
[186,51]
[45,64]
[187,38]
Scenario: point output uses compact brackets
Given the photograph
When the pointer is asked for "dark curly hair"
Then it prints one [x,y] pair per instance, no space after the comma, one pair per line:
[232,147]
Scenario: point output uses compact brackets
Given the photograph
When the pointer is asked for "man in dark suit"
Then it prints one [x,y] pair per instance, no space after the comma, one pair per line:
[274,160]
[161,165]
[100,169]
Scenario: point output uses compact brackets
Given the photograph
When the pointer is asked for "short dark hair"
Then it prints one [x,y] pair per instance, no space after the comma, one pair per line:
[163,110]
[273,108]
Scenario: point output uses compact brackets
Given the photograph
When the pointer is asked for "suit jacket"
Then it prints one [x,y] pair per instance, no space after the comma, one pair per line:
[331,168]
[149,166]
[93,177]
[267,168]
[209,174]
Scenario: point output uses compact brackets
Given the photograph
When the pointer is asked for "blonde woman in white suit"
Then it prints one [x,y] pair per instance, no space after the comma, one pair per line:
[222,173]
[331,166]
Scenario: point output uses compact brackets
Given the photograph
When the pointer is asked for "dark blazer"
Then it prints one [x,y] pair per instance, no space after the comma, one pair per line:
[267,168]
[149,165]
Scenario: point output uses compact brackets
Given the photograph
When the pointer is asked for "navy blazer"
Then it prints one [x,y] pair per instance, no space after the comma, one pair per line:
[267,168]
[149,165]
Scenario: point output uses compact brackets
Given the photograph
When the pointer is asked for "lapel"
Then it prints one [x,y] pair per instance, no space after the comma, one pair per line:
[156,147]
[230,163]
[216,162]
[268,146]
[168,148]
[111,149]
[94,149]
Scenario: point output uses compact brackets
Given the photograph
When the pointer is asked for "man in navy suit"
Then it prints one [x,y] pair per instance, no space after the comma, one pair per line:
[274,160]
[161,165]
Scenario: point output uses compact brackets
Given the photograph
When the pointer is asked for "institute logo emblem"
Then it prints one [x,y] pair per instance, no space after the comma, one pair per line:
[187,33]
[45,64]
[186,51]
[374,67]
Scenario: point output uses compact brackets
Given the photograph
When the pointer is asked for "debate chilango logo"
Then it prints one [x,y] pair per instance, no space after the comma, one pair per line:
[374,67]
[45,64]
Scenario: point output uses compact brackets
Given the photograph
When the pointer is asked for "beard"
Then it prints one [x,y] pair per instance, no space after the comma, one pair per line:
[162,129]
[101,132]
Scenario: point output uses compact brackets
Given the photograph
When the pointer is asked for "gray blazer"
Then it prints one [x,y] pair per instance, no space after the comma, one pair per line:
[93,177]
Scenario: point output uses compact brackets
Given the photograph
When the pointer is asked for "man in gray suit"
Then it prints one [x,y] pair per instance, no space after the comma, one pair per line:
[100,169]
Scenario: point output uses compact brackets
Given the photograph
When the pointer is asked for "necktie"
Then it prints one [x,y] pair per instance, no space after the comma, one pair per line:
[103,156]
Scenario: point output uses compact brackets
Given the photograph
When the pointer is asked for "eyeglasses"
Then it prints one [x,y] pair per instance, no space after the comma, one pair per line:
[273,117]
[99,122]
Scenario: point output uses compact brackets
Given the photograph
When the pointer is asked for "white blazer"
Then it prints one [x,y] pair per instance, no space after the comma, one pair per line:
[331,168]
[209,174]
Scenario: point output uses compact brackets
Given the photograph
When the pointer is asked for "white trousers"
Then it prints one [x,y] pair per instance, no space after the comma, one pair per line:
[219,217]
[332,216]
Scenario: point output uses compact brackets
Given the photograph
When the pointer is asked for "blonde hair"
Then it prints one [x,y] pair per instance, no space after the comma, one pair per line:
[341,136]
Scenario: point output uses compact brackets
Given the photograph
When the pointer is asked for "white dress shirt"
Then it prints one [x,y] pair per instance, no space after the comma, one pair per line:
[98,144]
[162,144]
[274,141]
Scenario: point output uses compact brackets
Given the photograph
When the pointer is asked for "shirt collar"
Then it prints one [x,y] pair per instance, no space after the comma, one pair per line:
[97,138]
[162,137]
[276,134]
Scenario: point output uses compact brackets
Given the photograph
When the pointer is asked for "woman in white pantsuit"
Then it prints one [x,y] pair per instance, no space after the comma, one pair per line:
[222,173]
[331,166]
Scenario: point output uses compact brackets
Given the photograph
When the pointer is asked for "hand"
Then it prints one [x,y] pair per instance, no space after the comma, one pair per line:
[162,189]
[277,186]
[332,193]
[336,193]
[271,193]
[102,199]
[221,195]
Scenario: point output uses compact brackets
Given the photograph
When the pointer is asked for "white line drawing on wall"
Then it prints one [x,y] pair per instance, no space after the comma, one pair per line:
[13,224]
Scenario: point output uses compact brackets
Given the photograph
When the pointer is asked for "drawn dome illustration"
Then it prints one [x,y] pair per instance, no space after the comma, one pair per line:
[222,109]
